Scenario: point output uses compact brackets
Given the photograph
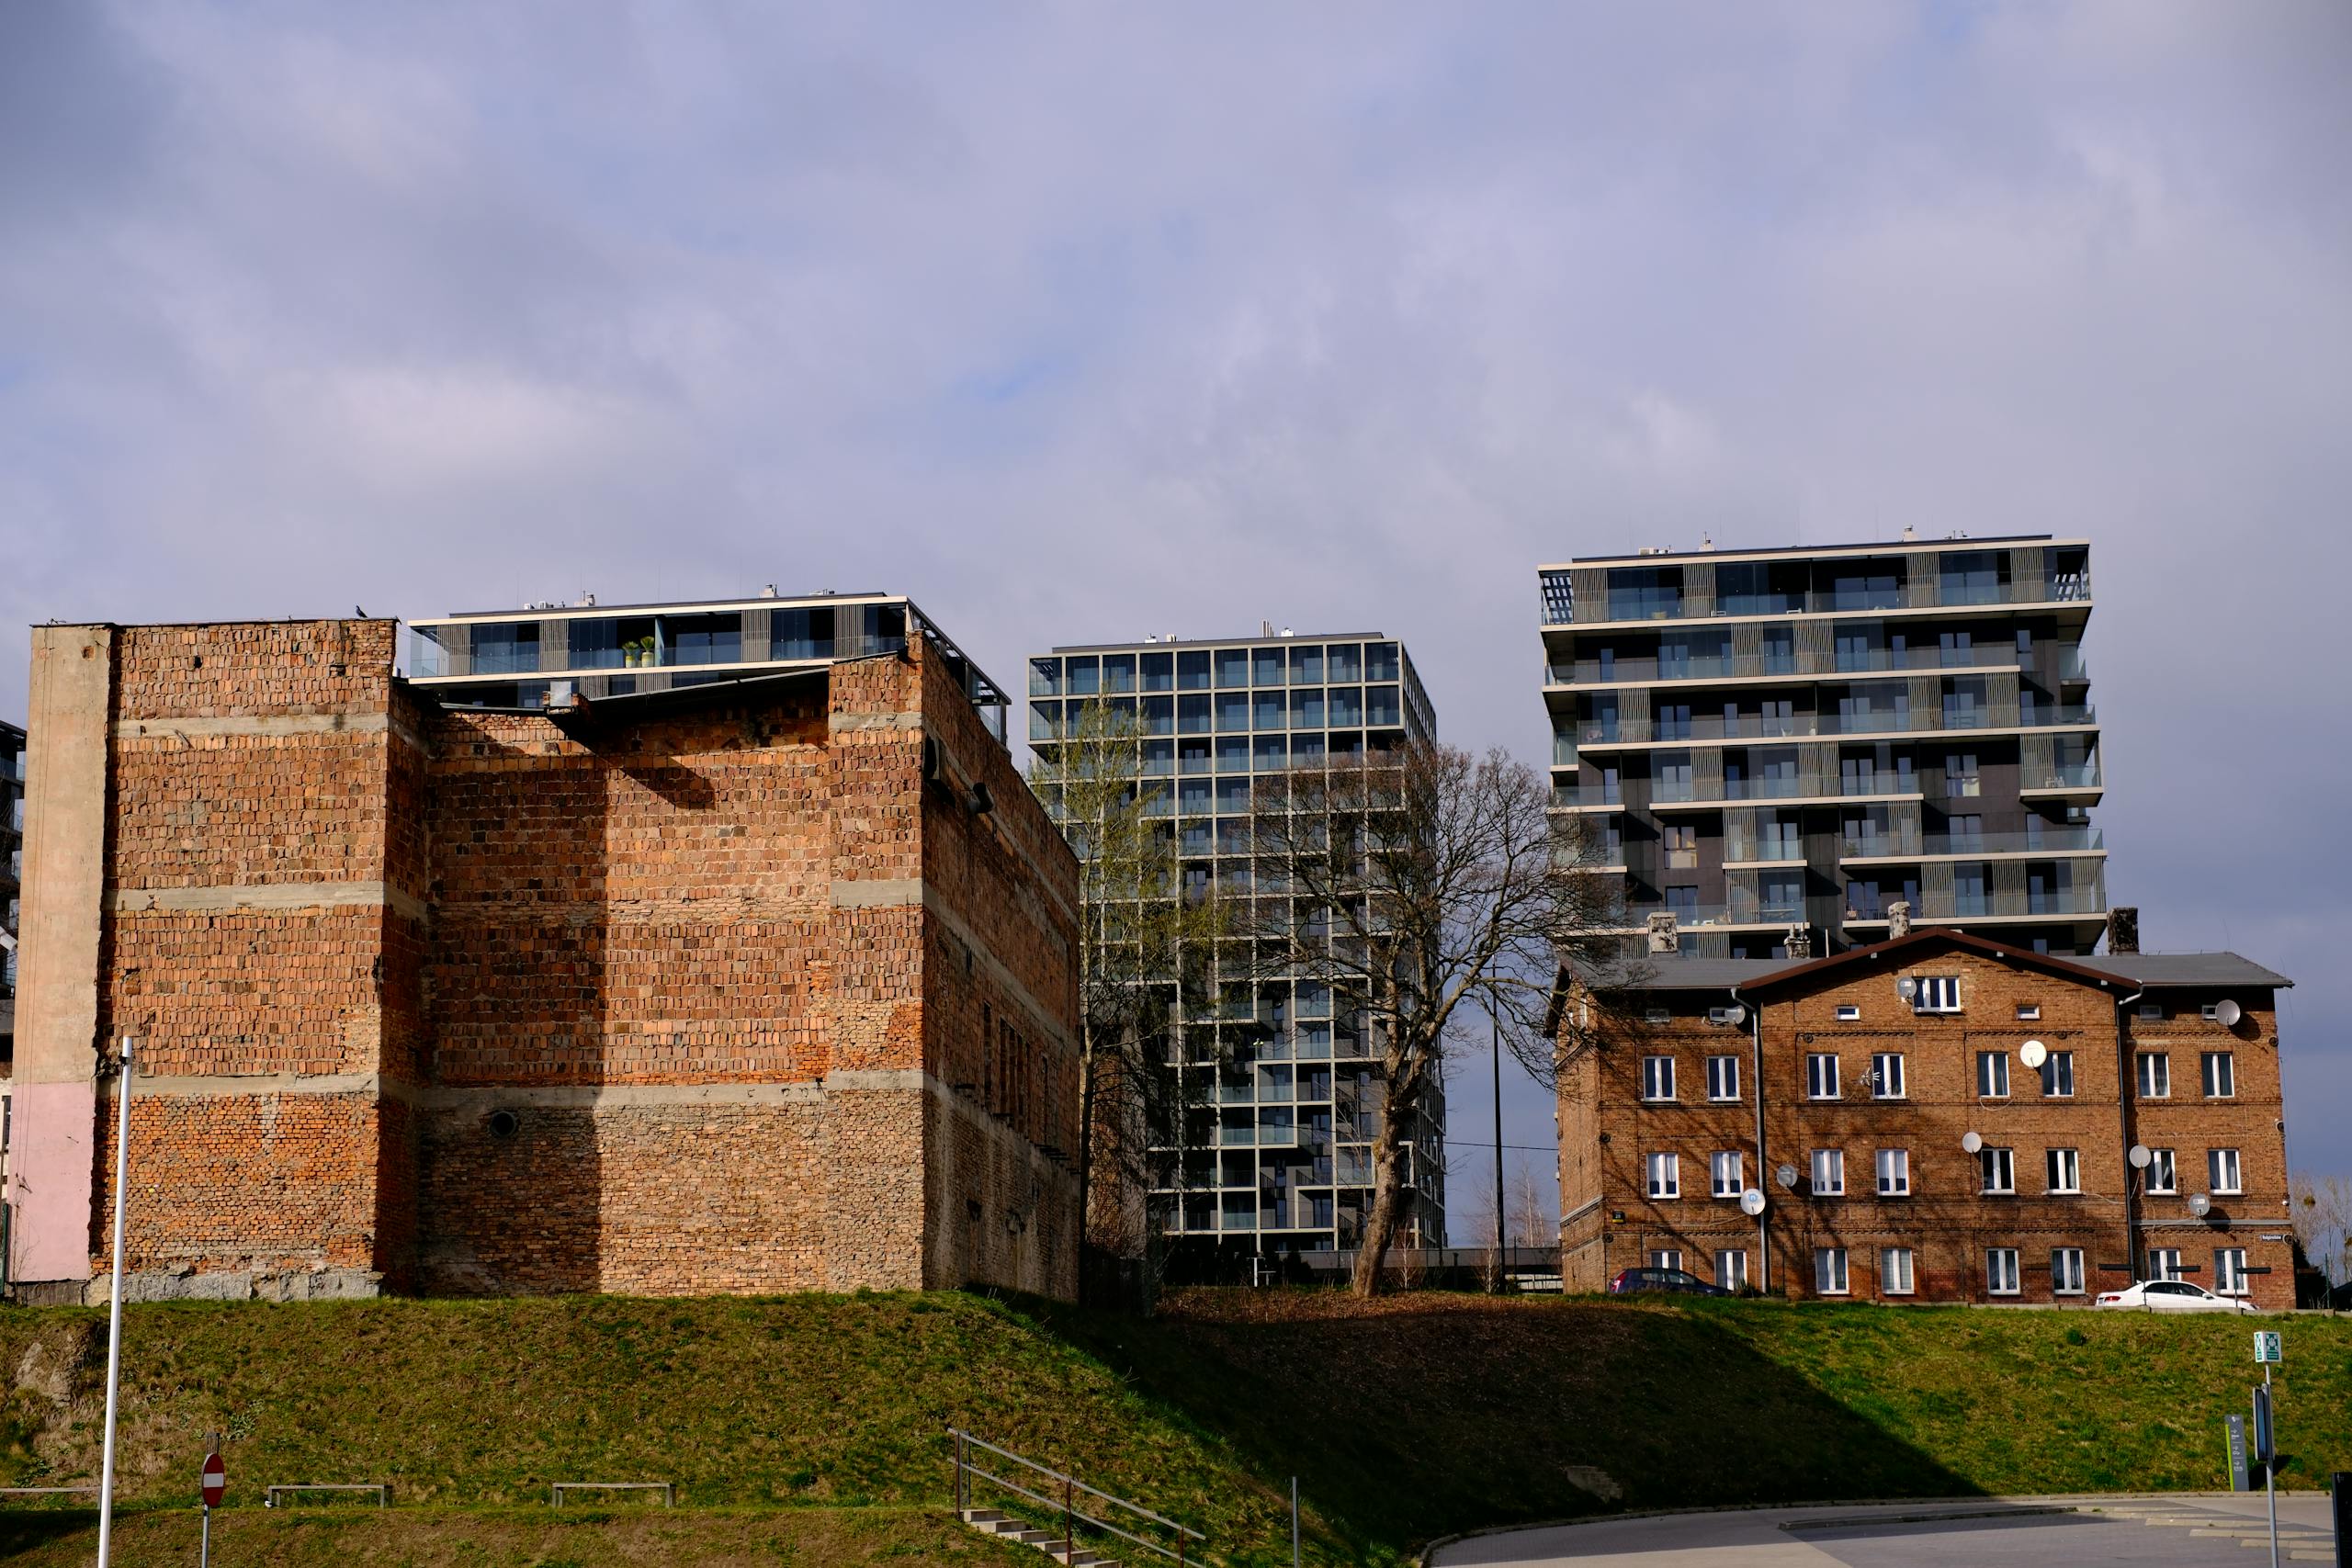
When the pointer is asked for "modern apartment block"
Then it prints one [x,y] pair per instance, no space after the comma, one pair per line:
[1832,738]
[526,657]
[1273,1158]
[1937,1118]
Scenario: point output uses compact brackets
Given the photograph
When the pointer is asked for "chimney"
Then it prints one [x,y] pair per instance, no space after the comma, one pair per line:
[1265,628]
[2123,928]
[1898,919]
[1664,934]
[1800,942]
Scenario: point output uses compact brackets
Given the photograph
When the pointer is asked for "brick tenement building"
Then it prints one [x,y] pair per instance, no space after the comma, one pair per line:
[758,986]
[1847,1101]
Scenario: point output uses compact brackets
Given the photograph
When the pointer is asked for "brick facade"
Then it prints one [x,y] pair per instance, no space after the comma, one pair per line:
[743,987]
[1848,1067]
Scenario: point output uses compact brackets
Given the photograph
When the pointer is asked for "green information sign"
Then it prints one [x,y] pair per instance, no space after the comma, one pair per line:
[2267,1346]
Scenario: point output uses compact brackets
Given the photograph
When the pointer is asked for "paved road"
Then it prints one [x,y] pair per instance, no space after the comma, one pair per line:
[2196,1530]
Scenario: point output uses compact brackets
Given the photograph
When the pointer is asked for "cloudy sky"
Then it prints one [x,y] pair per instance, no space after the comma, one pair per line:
[1081,321]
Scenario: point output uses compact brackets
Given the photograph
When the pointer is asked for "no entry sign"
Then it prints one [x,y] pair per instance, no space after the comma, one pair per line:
[216,1480]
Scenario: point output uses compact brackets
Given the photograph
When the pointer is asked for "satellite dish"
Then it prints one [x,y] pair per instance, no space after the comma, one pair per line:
[1972,1141]
[1786,1175]
[2139,1157]
[2200,1205]
[1751,1202]
[2033,1053]
[2227,1013]
[1735,1014]
[1907,988]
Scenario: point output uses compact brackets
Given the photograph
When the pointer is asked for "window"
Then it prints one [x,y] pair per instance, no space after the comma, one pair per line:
[1895,1278]
[2230,1277]
[1829,1270]
[2064,1170]
[1959,774]
[1937,993]
[1723,1077]
[1849,1014]
[1681,848]
[2162,1177]
[2153,1011]
[1886,1075]
[1657,1015]
[1657,1077]
[1731,1269]
[1667,1258]
[2029,1012]
[1726,1173]
[2221,1075]
[1820,1075]
[1830,1173]
[1998,1168]
[1993,1073]
[1665,1176]
[2001,1270]
[2164,1263]
[1894,1173]
[2066,1271]
[2155,1075]
[2058,1075]
[2222,1168]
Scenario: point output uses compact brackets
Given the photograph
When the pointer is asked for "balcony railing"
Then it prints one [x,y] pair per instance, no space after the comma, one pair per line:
[2070,776]
[1947,905]
[1685,792]
[1689,916]
[1907,846]
[1738,666]
[1804,725]
[1663,603]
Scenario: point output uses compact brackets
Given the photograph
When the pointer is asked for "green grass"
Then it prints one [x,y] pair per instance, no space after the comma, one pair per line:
[818,1419]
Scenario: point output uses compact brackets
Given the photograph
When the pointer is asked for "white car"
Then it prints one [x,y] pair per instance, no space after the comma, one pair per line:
[2172,1295]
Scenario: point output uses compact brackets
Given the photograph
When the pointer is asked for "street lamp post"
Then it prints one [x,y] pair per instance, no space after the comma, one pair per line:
[114,1326]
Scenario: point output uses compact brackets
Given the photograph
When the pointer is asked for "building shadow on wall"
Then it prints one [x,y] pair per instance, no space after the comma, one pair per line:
[1458,1418]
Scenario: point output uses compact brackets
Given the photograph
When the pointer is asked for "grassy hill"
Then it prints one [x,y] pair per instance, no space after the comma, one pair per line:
[810,1428]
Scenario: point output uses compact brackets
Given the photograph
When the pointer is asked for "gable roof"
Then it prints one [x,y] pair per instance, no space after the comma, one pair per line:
[2187,969]
[1921,940]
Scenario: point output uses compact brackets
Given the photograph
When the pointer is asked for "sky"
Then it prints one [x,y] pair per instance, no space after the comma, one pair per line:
[1079,322]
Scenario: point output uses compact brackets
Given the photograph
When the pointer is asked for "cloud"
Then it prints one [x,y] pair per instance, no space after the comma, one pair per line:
[1079,322]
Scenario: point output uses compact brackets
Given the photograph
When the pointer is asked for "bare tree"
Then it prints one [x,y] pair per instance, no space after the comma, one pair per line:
[1532,1221]
[1142,947]
[2321,1211]
[1427,889]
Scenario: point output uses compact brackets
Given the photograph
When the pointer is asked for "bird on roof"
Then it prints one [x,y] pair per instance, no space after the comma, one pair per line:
[358,612]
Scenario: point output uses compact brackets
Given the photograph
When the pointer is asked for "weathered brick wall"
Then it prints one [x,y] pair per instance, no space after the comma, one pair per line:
[1946,1222]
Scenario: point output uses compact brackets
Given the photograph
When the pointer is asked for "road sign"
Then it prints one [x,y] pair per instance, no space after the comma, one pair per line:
[2267,1346]
[216,1480]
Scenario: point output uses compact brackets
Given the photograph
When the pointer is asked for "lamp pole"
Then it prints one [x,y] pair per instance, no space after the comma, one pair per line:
[114,1325]
[1495,1021]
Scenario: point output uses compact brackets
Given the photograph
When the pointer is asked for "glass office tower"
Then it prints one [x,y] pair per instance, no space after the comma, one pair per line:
[520,658]
[1273,1158]
[1799,740]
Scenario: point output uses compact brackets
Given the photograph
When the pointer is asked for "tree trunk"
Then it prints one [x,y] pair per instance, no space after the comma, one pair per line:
[1085,1155]
[1388,1197]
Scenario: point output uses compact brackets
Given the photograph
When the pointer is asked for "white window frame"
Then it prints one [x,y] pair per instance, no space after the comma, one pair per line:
[1662,1176]
[2066,1271]
[2227,1076]
[1991,1074]
[2058,1075]
[1727,1173]
[1886,1075]
[1849,1012]
[2029,1012]
[2153,1073]
[2062,1169]
[1723,1078]
[2230,1277]
[1894,1173]
[1898,1272]
[1993,1164]
[1827,1169]
[2164,1171]
[1829,1272]
[1731,1268]
[2226,1172]
[1666,1257]
[2164,1263]
[1821,1076]
[1937,993]
[1657,1079]
[2001,1272]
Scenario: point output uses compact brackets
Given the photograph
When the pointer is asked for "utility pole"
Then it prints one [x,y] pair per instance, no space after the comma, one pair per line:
[114,1326]
[1496,1023]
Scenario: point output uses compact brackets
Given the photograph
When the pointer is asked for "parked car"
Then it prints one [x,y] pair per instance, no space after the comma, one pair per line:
[1629,1281]
[2172,1295]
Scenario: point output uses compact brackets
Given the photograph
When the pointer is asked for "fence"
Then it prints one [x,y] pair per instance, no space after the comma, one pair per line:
[1189,1546]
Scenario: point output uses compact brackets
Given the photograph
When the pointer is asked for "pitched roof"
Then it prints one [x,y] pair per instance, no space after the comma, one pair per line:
[2187,969]
[1901,949]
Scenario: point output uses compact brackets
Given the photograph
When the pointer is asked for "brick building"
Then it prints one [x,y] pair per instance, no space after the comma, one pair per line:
[760,985]
[1939,1117]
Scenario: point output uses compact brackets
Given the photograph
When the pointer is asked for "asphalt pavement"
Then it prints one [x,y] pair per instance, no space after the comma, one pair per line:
[2190,1530]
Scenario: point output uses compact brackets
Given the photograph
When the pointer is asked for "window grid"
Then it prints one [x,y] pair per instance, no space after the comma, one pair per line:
[1895,1271]
[2001,1270]
[2064,1170]
[2058,1075]
[1998,1168]
[1665,1176]
[1894,1173]
[1727,1173]
[1992,1075]
[1886,1075]
[2163,1175]
[1657,1077]
[1828,1173]
[2066,1271]
[2230,1277]
[2220,1070]
[1820,1075]
[1723,1077]
[2221,1167]
[2155,1075]
[1829,1270]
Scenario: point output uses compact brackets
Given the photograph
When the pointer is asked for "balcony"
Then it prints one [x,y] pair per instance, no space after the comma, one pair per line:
[2069,778]
[1965,846]
[1597,734]
[1793,664]
[1700,792]
[1668,604]
[1937,905]
[1761,913]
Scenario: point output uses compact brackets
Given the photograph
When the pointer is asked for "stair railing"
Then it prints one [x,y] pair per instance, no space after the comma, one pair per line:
[967,1468]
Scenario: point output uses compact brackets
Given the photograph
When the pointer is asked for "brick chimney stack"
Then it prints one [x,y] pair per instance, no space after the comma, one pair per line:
[2123,928]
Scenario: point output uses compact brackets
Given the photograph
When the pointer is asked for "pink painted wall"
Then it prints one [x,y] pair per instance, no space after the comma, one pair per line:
[49,1180]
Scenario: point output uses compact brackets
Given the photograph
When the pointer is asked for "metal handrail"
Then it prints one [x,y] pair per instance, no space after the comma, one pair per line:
[1066,1503]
